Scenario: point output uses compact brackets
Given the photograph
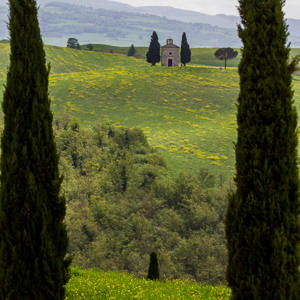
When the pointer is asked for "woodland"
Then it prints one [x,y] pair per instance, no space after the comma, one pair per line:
[122,204]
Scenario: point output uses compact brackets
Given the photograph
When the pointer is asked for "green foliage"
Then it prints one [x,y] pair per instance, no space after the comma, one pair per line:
[225,54]
[73,43]
[206,178]
[262,223]
[153,271]
[33,236]
[153,54]
[185,53]
[121,204]
[131,51]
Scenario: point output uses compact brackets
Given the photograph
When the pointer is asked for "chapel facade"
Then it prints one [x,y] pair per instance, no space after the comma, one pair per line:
[170,54]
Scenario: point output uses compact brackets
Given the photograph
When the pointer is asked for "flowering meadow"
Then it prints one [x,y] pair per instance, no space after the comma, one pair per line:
[188,113]
[96,284]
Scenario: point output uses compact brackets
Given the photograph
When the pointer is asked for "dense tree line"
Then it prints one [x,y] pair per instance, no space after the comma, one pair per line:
[122,205]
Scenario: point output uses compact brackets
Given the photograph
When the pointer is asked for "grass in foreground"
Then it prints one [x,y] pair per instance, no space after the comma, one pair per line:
[96,284]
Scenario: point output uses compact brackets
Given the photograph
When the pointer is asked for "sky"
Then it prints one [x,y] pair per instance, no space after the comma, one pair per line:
[212,7]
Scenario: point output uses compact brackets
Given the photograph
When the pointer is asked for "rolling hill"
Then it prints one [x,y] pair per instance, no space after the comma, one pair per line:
[59,21]
[187,113]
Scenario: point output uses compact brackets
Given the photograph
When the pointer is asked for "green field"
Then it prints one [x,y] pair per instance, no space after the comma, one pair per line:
[187,113]
[95,284]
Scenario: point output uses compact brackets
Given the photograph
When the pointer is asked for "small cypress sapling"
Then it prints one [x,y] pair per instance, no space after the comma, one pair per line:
[131,51]
[153,272]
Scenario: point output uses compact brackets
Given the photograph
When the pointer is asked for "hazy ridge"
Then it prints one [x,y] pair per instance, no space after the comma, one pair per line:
[114,23]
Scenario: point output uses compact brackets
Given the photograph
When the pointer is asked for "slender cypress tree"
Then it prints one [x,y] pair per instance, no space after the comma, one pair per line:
[33,237]
[153,54]
[153,271]
[262,221]
[185,53]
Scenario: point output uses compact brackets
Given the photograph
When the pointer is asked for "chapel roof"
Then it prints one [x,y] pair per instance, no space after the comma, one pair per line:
[170,44]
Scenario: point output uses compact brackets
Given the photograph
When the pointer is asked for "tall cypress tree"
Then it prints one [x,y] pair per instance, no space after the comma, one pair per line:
[153,54]
[262,221]
[185,53]
[33,237]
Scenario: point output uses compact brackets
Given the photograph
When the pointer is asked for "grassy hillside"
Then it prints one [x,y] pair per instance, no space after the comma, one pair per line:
[93,284]
[187,113]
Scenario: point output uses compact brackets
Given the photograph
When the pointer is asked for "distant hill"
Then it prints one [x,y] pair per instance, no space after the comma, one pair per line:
[106,4]
[59,21]
[171,13]
[115,23]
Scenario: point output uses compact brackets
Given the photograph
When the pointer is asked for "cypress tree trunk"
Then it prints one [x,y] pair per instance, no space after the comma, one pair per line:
[33,237]
[262,222]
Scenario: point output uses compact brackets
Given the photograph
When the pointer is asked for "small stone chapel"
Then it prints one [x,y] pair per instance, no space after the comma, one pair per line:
[170,54]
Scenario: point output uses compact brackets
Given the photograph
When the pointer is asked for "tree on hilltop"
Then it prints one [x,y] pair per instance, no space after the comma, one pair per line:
[225,54]
[73,43]
[153,54]
[185,53]
[262,221]
[33,236]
